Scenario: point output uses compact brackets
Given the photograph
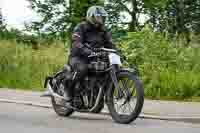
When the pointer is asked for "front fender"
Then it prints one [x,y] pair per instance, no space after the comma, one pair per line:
[134,71]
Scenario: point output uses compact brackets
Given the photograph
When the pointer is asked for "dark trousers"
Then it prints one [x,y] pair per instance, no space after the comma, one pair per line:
[80,66]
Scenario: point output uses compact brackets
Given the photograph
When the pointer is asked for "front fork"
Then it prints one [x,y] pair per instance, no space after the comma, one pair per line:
[113,76]
[113,72]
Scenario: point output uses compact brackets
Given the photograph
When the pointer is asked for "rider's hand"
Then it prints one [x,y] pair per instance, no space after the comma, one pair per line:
[103,54]
[96,49]
[93,53]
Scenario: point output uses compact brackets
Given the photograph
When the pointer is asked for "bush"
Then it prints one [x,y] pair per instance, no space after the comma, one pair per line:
[166,70]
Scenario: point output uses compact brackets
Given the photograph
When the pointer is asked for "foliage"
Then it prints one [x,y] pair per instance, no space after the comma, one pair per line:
[59,16]
[166,51]
[175,18]
[120,9]
[26,68]
[2,23]
[178,18]
[166,70]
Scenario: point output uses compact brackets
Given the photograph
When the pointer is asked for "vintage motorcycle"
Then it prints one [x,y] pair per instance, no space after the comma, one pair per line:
[107,82]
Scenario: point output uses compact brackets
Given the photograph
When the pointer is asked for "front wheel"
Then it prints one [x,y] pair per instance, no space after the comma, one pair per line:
[125,101]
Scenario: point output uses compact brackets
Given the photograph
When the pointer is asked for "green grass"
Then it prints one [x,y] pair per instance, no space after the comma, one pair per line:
[168,72]
[25,68]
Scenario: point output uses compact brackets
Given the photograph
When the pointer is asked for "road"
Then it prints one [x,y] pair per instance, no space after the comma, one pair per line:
[27,119]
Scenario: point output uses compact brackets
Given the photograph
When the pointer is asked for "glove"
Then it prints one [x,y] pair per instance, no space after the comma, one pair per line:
[103,54]
[87,51]
[97,49]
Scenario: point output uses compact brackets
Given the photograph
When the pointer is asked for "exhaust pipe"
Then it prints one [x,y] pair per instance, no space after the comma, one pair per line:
[97,100]
[50,93]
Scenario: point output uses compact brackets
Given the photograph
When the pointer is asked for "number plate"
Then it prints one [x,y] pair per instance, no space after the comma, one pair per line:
[114,59]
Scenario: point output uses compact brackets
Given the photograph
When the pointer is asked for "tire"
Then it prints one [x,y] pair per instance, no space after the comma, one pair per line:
[60,110]
[123,119]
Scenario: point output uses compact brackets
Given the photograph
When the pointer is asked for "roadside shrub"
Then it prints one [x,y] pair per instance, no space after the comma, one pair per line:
[166,70]
[26,68]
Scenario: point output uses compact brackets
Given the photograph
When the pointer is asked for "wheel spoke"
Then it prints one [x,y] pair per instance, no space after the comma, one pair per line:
[130,107]
[127,88]
[121,107]
[124,109]
[118,108]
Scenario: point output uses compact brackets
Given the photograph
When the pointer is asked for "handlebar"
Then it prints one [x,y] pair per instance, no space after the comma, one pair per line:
[100,49]
[98,54]
[108,50]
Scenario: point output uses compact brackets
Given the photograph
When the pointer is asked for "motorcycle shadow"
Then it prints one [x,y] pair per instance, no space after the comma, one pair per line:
[90,117]
[105,118]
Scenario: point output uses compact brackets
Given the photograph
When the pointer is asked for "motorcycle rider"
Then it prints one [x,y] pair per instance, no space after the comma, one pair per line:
[91,32]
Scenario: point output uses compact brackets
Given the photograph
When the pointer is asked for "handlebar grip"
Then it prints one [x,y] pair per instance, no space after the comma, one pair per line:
[93,49]
[97,49]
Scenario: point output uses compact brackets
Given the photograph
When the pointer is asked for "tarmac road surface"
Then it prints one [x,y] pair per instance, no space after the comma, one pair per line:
[15,118]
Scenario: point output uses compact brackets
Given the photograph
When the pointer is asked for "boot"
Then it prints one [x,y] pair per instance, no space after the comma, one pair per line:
[68,92]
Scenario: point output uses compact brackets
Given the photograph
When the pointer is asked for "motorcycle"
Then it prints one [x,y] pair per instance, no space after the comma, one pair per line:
[107,82]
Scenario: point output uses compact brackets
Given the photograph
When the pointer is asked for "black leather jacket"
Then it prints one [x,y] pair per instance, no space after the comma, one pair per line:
[86,32]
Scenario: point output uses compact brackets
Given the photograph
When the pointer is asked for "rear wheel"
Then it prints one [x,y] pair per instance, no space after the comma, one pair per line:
[58,104]
[125,101]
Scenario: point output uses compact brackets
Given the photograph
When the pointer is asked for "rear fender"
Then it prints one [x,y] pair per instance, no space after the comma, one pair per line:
[66,68]
[50,78]
[46,81]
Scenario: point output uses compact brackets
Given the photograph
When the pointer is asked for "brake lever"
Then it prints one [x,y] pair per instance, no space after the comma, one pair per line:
[92,54]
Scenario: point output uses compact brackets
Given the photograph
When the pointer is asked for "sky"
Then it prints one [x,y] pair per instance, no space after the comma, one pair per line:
[16,12]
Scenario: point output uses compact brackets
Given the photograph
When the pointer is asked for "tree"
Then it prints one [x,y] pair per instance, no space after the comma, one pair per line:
[177,16]
[130,7]
[155,10]
[2,23]
[133,8]
[3,29]
[59,16]
[1,18]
